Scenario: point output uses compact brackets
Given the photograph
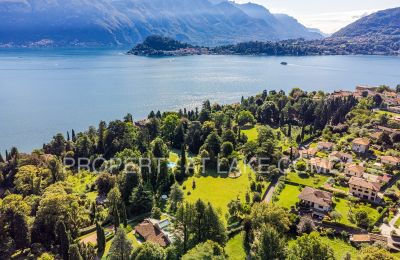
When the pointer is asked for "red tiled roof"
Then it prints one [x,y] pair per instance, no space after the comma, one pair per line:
[365,184]
[151,233]
[361,141]
[319,197]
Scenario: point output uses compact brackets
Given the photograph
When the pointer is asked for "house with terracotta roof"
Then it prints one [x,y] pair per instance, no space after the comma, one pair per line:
[321,165]
[150,230]
[320,202]
[364,189]
[353,169]
[308,153]
[361,145]
[390,160]
[325,146]
[341,157]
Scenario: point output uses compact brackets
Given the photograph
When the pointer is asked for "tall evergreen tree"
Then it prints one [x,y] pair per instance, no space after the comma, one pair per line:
[272,245]
[123,215]
[183,160]
[121,247]
[20,231]
[73,136]
[101,240]
[116,218]
[1,158]
[63,239]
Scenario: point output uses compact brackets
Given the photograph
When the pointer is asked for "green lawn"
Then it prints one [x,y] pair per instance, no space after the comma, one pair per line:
[219,191]
[340,247]
[251,133]
[289,196]
[312,181]
[235,249]
[342,206]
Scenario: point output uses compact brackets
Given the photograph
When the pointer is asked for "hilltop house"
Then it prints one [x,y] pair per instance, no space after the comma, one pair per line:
[364,189]
[341,156]
[321,165]
[151,230]
[361,145]
[355,170]
[319,201]
[325,146]
[390,160]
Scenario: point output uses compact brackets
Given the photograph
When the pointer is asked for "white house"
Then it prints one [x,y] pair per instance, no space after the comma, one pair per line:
[325,146]
[319,201]
[341,156]
[390,160]
[361,145]
[355,170]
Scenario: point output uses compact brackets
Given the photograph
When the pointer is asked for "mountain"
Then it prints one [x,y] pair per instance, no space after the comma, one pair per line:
[382,23]
[378,33]
[127,22]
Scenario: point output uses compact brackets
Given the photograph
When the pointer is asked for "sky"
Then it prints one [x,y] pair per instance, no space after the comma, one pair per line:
[327,15]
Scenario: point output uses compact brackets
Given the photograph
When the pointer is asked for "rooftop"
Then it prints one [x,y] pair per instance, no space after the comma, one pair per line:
[361,141]
[365,184]
[319,197]
[152,233]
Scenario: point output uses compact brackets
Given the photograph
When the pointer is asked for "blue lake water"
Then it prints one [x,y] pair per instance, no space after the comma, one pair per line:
[43,92]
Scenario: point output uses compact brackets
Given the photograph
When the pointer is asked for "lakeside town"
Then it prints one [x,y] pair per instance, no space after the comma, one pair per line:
[305,169]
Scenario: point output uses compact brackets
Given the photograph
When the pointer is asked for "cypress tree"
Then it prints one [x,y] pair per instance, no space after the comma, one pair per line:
[63,239]
[115,218]
[7,156]
[92,213]
[68,139]
[124,217]
[1,158]
[73,135]
[101,240]
[183,160]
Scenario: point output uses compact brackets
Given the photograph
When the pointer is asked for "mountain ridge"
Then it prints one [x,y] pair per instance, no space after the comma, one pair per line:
[126,22]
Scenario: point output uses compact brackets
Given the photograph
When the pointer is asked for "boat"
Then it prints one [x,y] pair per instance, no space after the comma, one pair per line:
[284,63]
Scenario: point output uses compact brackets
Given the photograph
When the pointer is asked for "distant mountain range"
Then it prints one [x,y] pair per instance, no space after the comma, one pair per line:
[376,34]
[127,22]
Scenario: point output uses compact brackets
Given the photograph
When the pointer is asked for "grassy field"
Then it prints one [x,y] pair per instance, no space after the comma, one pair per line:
[217,190]
[289,196]
[315,181]
[235,249]
[340,247]
[251,133]
[342,206]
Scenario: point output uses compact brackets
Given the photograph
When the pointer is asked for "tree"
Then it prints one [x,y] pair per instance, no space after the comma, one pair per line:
[169,125]
[141,200]
[20,230]
[335,216]
[149,251]
[375,253]
[101,240]
[175,196]
[105,182]
[206,250]
[183,162]
[121,246]
[310,247]
[245,117]
[63,239]
[123,215]
[272,244]
[361,218]
[306,225]
[74,253]
[227,149]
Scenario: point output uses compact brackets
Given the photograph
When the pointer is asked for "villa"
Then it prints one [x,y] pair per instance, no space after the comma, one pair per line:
[152,230]
[361,145]
[319,201]
[321,165]
[341,156]
[308,153]
[364,189]
[325,146]
[355,170]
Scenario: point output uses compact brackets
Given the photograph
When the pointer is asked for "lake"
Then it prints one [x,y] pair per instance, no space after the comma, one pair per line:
[44,92]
